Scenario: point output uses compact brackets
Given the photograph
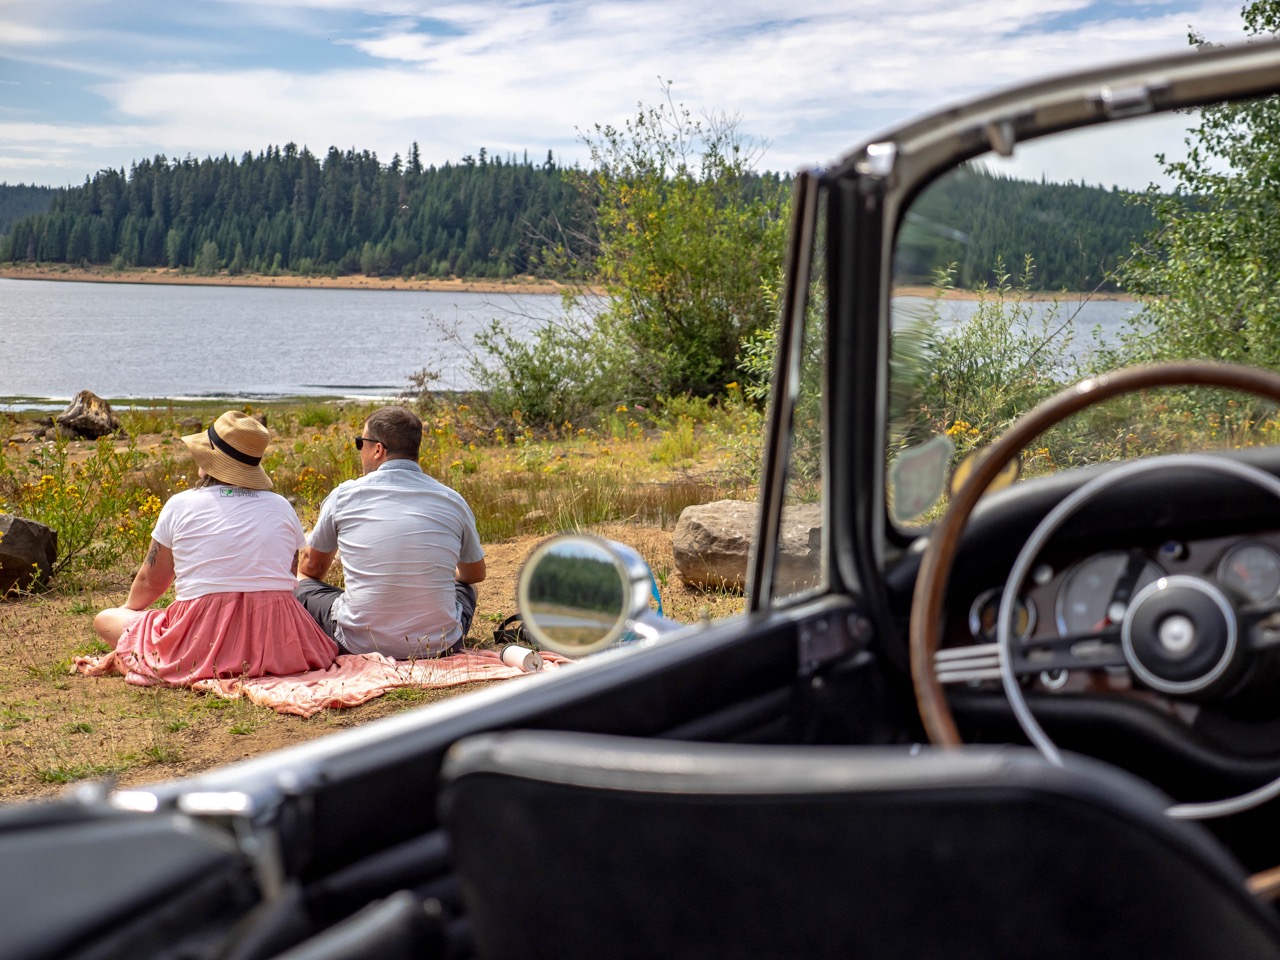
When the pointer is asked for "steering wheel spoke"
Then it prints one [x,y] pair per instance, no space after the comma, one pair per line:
[1260,628]
[1094,650]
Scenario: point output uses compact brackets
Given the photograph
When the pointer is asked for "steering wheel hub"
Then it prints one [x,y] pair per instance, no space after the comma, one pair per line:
[1180,635]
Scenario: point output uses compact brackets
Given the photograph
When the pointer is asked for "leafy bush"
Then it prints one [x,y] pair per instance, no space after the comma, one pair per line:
[99,511]
[685,233]
[973,378]
[570,370]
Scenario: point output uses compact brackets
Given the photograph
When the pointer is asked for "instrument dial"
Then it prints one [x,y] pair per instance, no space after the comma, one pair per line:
[1097,592]
[984,616]
[1252,570]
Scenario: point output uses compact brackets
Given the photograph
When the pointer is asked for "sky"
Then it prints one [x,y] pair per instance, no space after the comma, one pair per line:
[91,84]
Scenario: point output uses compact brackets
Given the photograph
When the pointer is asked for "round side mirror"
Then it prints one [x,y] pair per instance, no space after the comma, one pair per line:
[579,593]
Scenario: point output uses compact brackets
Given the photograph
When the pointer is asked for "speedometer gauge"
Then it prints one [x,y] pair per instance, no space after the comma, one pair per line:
[1097,592]
[1252,570]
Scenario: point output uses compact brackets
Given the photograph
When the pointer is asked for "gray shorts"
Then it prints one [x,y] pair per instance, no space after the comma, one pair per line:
[318,597]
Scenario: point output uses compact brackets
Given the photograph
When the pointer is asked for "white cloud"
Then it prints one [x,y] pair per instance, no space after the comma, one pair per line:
[812,76]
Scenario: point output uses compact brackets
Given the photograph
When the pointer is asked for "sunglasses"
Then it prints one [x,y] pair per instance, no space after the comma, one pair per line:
[361,441]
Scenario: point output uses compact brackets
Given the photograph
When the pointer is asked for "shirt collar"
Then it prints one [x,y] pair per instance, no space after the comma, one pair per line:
[400,463]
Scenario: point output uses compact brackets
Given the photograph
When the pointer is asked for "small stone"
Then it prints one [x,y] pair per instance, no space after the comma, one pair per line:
[533,518]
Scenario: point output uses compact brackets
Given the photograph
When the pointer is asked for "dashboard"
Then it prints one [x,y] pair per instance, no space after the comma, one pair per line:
[1205,530]
[1083,600]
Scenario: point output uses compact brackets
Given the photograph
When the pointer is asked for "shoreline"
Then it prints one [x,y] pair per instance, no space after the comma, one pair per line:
[954,293]
[518,285]
[166,275]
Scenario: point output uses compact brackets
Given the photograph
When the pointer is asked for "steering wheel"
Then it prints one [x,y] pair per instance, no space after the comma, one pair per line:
[1142,648]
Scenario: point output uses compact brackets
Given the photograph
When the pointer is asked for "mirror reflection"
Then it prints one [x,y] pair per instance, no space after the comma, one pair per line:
[573,595]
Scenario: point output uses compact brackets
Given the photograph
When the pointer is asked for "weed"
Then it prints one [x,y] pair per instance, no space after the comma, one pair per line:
[406,695]
[318,415]
[11,718]
[162,753]
[677,444]
[82,771]
[78,727]
[95,647]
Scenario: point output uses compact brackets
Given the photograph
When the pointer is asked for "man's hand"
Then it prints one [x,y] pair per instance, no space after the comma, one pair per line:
[470,572]
[315,564]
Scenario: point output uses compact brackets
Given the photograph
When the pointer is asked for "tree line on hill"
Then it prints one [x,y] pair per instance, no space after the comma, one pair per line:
[976,219]
[20,200]
[288,210]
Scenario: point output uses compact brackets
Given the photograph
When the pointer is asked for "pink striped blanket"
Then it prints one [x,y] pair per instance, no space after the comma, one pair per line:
[350,681]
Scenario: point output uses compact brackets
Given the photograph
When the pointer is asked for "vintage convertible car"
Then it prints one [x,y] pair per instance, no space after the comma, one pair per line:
[1045,722]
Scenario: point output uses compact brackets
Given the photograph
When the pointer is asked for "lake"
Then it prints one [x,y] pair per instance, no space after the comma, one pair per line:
[167,341]
[149,341]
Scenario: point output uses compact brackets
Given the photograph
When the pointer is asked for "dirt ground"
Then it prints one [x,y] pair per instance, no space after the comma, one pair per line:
[56,727]
[60,271]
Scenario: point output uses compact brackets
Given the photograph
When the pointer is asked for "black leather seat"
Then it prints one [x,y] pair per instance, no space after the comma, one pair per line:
[575,845]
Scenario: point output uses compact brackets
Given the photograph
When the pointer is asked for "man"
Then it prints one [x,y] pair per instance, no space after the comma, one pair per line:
[410,551]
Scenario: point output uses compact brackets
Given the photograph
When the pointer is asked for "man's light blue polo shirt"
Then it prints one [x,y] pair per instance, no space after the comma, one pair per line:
[400,534]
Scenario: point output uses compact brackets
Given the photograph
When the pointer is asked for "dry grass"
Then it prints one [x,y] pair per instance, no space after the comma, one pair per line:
[56,727]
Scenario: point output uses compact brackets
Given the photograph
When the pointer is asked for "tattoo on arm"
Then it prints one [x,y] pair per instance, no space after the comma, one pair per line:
[153,554]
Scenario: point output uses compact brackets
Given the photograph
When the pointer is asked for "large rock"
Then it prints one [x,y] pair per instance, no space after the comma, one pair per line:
[28,551]
[89,416]
[711,543]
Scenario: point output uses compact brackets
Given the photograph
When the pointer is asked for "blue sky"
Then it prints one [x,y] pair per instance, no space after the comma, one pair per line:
[88,84]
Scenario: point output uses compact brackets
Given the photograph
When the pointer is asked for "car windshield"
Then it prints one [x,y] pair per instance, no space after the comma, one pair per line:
[1081,253]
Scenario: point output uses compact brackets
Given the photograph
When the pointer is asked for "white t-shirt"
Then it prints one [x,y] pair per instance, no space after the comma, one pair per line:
[400,534]
[229,540]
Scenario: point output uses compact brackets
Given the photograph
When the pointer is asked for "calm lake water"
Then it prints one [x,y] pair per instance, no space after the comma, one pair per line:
[154,341]
[148,341]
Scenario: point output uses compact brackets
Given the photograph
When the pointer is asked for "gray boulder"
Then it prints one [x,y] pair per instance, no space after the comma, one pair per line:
[28,551]
[88,417]
[711,543]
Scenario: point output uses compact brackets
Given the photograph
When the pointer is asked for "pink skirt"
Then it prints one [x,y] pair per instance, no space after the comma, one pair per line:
[222,636]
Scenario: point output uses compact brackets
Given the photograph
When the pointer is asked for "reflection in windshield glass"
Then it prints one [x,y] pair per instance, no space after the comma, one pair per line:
[1014,277]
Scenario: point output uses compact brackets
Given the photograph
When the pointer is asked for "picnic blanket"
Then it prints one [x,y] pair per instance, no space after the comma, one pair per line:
[353,679]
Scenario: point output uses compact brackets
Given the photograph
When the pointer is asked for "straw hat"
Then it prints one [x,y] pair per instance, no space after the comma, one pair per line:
[232,450]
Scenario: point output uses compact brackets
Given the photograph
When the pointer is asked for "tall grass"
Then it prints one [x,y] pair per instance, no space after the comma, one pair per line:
[102,498]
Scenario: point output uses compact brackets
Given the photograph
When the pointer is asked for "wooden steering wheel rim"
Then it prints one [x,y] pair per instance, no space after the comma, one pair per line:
[925,632]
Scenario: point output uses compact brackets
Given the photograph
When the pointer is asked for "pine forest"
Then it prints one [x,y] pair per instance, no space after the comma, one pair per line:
[287,210]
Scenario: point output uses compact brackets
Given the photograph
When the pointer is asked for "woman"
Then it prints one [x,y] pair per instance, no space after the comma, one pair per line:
[230,547]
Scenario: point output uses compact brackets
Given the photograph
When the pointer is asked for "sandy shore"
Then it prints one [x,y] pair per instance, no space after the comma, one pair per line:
[58,271]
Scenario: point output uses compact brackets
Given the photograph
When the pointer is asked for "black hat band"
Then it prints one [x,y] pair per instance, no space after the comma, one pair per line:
[231,451]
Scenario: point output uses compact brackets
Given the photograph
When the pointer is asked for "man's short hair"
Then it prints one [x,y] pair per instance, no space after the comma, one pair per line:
[396,428]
